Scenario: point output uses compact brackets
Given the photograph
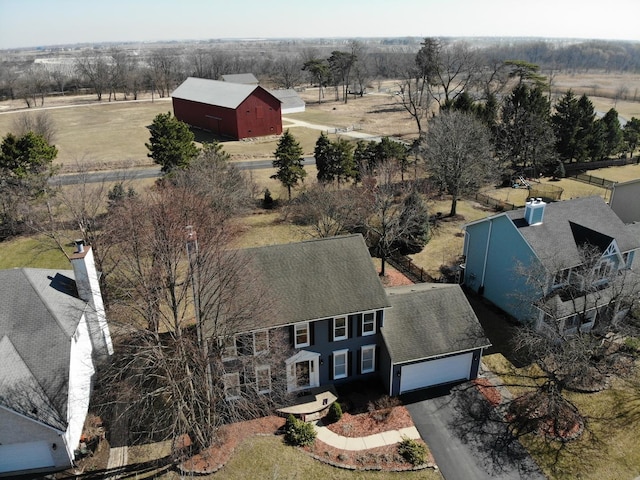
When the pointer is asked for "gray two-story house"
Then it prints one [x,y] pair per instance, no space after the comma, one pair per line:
[332,309]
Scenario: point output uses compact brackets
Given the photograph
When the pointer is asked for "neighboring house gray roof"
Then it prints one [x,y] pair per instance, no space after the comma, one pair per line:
[567,225]
[289,98]
[39,314]
[430,320]
[213,92]
[316,279]
[634,228]
[246,78]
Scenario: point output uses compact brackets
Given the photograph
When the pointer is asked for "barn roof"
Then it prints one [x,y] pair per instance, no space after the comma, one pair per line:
[214,92]
[430,320]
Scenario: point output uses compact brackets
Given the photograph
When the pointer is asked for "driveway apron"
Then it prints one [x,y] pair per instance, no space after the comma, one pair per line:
[467,439]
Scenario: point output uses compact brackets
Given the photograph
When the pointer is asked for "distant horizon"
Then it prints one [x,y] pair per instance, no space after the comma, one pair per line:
[48,23]
[311,39]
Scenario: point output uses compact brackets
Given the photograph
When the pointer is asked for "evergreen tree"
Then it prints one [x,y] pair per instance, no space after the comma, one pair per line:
[566,124]
[415,217]
[631,135]
[288,162]
[587,116]
[28,157]
[365,158]
[26,165]
[322,154]
[391,151]
[334,160]
[488,112]
[597,142]
[612,133]
[525,137]
[171,144]
[345,164]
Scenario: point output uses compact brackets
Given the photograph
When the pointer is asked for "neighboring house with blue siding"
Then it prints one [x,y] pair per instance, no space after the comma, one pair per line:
[332,310]
[530,262]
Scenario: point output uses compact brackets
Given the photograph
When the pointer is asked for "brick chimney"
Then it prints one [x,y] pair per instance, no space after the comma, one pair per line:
[88,286]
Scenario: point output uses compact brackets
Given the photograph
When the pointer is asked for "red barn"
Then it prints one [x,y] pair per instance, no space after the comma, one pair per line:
[228,109]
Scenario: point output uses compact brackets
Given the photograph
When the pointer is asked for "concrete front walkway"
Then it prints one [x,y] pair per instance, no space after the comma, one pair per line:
[364,443]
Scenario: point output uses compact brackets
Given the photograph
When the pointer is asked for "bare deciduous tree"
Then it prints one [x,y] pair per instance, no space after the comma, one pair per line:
[93,67]
[457,154]
[580,311]
[384,217]
[41,123]
[177,304]
[324,210]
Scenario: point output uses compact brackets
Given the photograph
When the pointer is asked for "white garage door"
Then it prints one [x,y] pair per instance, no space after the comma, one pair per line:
[25,456]
[435,372]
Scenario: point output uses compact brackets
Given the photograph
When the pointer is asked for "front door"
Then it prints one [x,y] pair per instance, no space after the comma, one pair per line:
[302,371]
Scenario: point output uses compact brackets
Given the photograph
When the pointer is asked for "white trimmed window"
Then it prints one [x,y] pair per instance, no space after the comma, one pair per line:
[368,323]
[561,278]
[231,385]
[340,328]
[229,349]
[340,367]
[368,359]
[604,269]
[260,342]
[263,379]
[301,335]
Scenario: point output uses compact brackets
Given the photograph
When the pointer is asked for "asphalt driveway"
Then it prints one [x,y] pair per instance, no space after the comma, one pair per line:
[466,437]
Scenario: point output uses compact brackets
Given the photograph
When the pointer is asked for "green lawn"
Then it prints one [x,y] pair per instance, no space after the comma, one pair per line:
[34,252]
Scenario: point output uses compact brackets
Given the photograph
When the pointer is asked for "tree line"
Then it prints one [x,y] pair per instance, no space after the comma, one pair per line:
[348,66]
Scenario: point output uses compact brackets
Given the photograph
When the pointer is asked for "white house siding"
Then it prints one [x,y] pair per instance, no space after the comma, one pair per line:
[81,371]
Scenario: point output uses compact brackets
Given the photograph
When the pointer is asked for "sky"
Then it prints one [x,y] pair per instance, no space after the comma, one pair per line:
[31,23]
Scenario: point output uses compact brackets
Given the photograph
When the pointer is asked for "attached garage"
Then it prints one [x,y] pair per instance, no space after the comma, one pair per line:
[25,456]
[435,372]
[431,337]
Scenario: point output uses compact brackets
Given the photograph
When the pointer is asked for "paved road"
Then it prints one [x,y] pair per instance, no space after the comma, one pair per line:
[148,172]
[466,440]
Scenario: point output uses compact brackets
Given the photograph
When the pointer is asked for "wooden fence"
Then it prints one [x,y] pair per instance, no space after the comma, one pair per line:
[409,269]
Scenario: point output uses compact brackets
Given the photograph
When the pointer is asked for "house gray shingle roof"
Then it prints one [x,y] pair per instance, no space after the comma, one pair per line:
[39,314]
[556,240]
[316,279]
[214,92]
[430,320]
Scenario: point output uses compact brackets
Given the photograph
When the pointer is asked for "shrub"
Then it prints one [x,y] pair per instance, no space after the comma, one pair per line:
[299,433]
[413,452]
[633,344]
[335,412]
[268,203]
